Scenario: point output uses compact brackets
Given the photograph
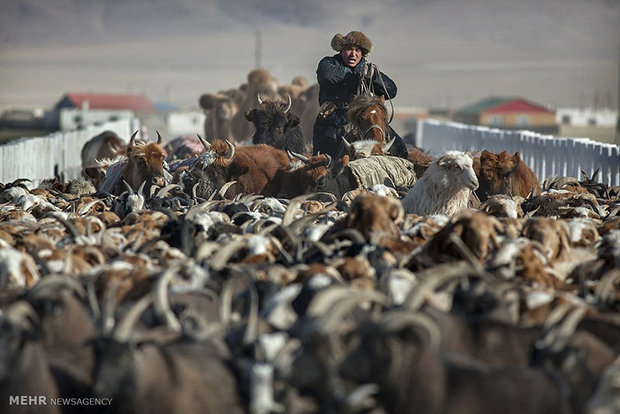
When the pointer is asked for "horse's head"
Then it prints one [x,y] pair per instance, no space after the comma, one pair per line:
[369,117]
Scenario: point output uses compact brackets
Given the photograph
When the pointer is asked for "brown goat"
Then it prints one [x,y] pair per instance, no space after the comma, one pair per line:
[504,174]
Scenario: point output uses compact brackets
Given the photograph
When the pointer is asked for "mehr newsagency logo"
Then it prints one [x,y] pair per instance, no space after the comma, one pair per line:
[42,400]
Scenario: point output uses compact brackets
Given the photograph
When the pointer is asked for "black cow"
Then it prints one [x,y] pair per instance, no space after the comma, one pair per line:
[275,126]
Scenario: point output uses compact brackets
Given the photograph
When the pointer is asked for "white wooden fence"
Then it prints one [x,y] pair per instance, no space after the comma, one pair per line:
[544,154]
[37,158]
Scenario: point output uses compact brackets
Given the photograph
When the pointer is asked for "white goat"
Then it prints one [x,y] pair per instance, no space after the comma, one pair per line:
[444,188]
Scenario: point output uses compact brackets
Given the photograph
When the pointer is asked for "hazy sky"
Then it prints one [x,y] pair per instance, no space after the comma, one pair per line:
[439,52]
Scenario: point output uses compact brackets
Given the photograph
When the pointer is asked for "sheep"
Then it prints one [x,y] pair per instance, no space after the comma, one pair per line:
[444,188]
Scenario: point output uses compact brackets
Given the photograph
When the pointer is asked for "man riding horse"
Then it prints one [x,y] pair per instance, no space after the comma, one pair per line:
[341,77]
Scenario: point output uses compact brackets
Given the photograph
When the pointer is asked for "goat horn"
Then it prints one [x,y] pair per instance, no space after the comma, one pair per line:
[75,233]
[163,192]
[347,143]
[204,142]
[567,329]
[292,155]
[292,207]
[435,277]
[260,101]
[226,304]
[49,283]
[290,103]
[126,326]
[386,147]
[161,304]
[132,140]
[131,192]
[223,255]
[330,319]
[328,161]
[397,320]
[158,137]
[141,189]
[86,207]
[225,188]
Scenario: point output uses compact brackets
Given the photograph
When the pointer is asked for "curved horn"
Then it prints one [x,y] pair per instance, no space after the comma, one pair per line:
[386,147]
[158,137]
[290,103]
[49,283]
[132,140]
[126,326]
[347,143]
[131,192]
[141,189]
[163,192]
[292,155]
[260,100]
[204,142]
[397,320]
[161,303]
[231,151]
[434,278]
[328,161]
[330,320]
[75,233]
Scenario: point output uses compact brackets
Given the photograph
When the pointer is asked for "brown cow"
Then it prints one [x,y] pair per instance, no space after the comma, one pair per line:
[504,174]
[251,167]
[144,163]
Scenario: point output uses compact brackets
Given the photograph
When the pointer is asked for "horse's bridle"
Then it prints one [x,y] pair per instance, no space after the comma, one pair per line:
[373,126]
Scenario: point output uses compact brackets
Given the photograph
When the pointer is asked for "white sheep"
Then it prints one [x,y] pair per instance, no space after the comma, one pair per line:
[444,188]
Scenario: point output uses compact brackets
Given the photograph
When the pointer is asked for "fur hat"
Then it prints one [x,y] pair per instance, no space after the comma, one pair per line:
[354,38]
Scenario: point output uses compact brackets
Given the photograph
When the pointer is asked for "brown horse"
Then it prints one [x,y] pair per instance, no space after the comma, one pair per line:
[368,127]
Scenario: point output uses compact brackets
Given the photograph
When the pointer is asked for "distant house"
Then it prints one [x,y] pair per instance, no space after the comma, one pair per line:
[509,113]
[135,103]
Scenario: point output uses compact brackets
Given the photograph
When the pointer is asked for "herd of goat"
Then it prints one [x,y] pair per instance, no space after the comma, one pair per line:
[248,279]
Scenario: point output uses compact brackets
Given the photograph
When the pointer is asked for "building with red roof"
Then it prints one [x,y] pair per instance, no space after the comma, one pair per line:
[110,101]
[509,113]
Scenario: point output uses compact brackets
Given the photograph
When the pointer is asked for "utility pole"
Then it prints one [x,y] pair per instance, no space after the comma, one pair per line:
[258,52]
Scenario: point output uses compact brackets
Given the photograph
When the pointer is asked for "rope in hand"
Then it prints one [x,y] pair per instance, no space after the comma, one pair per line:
[366,85]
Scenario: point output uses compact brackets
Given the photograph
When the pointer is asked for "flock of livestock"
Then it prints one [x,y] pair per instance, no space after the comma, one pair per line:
[215,277]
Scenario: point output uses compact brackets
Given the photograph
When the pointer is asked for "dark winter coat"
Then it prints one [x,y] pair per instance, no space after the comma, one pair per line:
[338,84]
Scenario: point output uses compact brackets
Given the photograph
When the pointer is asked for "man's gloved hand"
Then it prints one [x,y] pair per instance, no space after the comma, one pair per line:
[368,71]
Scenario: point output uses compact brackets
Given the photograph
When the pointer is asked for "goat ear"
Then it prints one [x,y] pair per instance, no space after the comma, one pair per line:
[517,157]
[292,120]
[345,160]
[249,114]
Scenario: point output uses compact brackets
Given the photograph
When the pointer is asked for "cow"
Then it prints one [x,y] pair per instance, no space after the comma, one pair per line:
[251,167]
[96,154]
[143,163]
[275,126]
[504,174]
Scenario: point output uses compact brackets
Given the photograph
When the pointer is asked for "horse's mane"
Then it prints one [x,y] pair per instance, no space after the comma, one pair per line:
[359,104]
